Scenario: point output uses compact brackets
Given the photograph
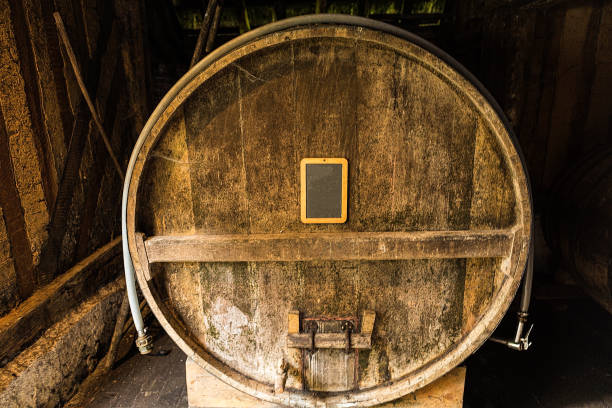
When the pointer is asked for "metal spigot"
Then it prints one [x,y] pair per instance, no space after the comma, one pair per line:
[519,342]
[144,342]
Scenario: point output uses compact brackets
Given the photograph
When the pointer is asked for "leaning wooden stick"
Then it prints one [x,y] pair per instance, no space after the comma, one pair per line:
[197,52]
[124,309]
[213,30]
[77,73]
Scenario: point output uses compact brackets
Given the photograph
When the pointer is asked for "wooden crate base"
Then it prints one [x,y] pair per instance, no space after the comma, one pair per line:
[206,391]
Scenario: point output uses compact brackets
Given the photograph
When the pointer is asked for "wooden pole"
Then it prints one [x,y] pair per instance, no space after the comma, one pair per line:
[77,73]
[124,309]
[197,52]
[213,30]
[245,13]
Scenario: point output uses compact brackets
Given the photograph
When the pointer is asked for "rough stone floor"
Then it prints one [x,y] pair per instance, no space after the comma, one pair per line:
[569,365]
[146,382]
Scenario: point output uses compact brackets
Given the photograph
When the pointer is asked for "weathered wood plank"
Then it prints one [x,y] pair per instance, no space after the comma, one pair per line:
[217,164]
[293,322]
[49,304]
[330,367]
[205,390]
[8,278]
[329,246]
[95,173]
[491,194]
[367,321]
[14,218]
[271,158]
[329,341]
[142,257]
[21,139]
[135,57]
[32,93]
[108,43]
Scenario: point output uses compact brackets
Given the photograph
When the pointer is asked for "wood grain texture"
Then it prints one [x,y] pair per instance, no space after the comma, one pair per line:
[8,279]
[428,157]
[24,48]
[49,304]
[22,135]
[205,390]
[14,222]
[330,246]
[331,367]
[329,341]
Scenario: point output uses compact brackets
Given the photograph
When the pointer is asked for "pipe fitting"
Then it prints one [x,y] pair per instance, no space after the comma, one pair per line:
[519,343]
[144,342]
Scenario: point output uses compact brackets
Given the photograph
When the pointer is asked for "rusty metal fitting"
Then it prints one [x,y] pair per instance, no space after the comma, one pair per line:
[520,342]
[311,327]
[347,328]
[144,342]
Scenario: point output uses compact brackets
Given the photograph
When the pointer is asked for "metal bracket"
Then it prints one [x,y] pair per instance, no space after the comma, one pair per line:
[347,328]
[519,342]
[310,339]
[311,327]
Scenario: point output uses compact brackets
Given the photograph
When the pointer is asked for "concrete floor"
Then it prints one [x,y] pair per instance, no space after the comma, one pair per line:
[569,365]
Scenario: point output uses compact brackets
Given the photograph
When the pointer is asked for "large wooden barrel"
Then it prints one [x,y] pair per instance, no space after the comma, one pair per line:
[354,313]
[578,222]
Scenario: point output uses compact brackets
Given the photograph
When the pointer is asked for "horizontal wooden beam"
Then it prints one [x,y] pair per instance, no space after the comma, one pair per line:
[48,305]
[329,341]
[329,246]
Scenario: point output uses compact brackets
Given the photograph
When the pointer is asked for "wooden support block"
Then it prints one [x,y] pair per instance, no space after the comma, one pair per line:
[52,302]
[445,392]
[329,341]
[205,390]
[293,322]
[367,322]
[142,257]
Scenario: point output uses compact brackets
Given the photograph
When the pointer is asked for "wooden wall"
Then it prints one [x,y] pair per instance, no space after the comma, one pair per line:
[59,195]
[549,64]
